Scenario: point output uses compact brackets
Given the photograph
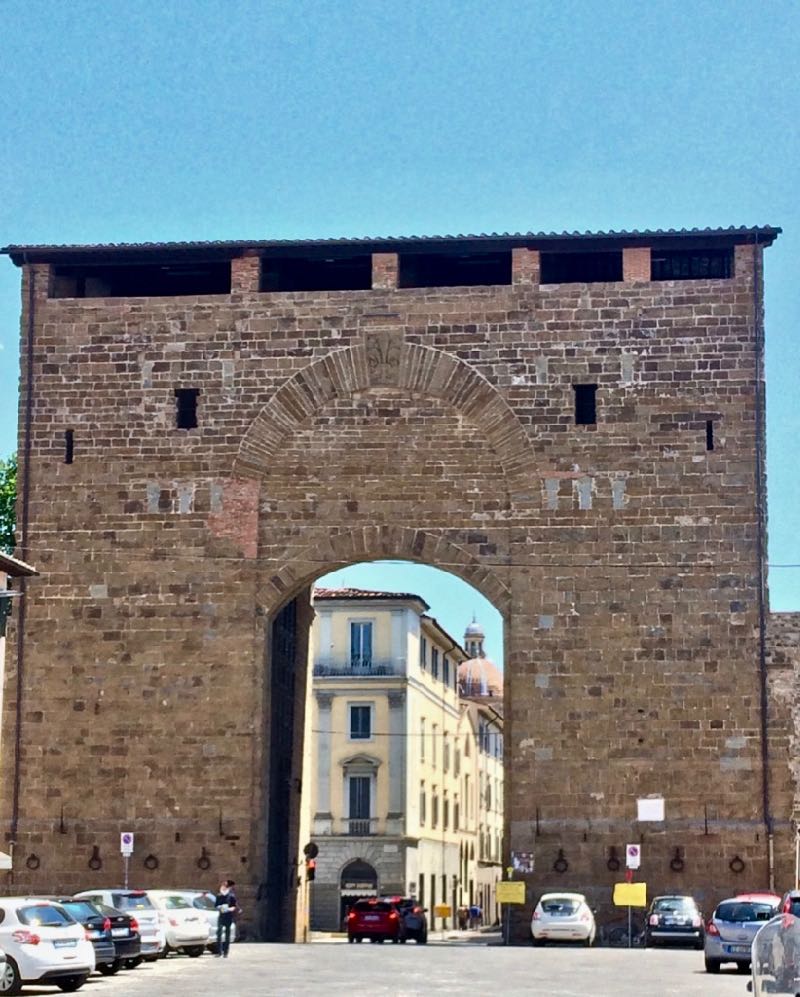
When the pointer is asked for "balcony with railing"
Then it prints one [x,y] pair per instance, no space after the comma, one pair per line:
[359,666]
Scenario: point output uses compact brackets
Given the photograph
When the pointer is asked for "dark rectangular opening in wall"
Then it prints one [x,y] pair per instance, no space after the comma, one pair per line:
[709,434]
[585,404]
[691,264]
[304,273]
[69,446]
[580,268]
[147,280]
[186,407]
[461,270]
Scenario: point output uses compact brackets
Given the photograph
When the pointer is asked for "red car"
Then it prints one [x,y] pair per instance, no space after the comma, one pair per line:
[378,920]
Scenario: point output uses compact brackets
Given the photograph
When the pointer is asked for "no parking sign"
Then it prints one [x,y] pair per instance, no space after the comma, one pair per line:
[126,843]
[633,856]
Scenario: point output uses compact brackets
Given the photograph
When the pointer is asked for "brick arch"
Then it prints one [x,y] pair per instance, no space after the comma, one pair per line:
[385,360]
[302,565]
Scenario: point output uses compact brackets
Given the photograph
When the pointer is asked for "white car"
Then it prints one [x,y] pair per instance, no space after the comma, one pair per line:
[139,905]
[186,928]
[44,944]
[203,901]
[563,917]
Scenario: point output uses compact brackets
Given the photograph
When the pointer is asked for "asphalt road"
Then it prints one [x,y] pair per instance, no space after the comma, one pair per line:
[400,971]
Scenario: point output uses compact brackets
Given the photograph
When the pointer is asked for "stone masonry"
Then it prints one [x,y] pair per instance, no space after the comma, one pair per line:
[428,423]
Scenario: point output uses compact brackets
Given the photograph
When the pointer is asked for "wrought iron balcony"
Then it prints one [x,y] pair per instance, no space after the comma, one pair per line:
[359,666]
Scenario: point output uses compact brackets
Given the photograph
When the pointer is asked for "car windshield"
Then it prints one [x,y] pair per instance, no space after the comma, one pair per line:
[371,907]
[110,911]
[44,916]
[131,901]
[665,905]
[560,905]
[741,913]
[203,902]
[176,903]
[81,909]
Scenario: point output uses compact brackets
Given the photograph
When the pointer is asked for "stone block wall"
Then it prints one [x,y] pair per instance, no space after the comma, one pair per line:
[429,424]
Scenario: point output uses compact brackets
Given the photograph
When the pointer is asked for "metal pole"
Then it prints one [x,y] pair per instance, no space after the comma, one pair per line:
[507,920]
[630,937]
[126,859]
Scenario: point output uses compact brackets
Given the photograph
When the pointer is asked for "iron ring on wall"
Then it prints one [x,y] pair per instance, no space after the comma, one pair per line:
[560,864]
[33,861]
[95,862]
[204,862]
[736,864]
[677,864]
[613,862]
[151,862]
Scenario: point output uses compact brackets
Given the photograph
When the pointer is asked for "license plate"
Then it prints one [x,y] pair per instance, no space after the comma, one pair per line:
[371,917]
[65,943]
[737,949]
[119,932]
[95,934]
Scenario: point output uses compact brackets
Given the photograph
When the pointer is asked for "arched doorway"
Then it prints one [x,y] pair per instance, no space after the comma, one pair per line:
[358,879]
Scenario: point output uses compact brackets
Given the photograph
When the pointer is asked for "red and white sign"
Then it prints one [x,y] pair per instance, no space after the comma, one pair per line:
[126,843]
[633,856]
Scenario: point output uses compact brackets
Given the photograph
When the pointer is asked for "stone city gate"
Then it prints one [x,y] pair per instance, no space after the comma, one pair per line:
[570,424]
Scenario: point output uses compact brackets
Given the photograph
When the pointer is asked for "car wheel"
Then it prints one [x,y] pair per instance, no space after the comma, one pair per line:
[69,984]
[10,982]
[422,939]
[110,968]
[194,951]
[538,941]
[402,941]
[137,960]
[350,939]
[699,944]
[154,958]
[742,967]
[359,939]
[712,965]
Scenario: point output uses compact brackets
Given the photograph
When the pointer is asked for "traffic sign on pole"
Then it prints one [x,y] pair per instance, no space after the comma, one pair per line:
[126,843]
[633,856]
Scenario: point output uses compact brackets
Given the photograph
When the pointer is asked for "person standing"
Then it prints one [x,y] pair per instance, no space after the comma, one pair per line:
[225,903]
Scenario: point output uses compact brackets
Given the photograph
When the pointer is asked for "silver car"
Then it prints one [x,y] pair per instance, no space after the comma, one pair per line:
[563,917]
[733,926]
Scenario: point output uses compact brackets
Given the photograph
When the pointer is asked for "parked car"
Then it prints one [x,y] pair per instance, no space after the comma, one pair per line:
[732,927]
[186,928]
[790,903]
[378,920]
[153,939]
[674,919]
[125,935]
[563,917]
[98,930]
[43,943]
[203,901]
[414,920]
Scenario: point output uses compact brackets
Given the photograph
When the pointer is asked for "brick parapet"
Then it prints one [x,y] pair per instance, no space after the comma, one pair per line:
[636,264]
[525,266]
[246,273]
[385,271]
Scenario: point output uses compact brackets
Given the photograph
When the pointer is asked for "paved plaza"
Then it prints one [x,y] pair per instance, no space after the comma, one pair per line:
[449,968]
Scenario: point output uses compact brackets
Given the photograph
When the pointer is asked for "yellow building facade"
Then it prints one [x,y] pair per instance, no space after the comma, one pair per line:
[389,767]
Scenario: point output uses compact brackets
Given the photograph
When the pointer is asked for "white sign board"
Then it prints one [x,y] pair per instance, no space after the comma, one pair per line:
[126,843]
[651,808]
[5,862]
[633,856]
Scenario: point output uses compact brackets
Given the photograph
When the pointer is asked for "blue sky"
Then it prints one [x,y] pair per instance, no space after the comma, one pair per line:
[126,121]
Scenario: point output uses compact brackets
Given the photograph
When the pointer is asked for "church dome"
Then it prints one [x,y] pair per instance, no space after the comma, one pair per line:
[474,629]
[480,677]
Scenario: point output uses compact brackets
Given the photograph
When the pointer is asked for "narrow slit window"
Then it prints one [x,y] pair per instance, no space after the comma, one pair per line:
[709,434]
[186,407]
[69,446]
[585,404]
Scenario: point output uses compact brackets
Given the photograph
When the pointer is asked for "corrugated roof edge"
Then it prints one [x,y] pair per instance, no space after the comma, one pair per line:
[764,234]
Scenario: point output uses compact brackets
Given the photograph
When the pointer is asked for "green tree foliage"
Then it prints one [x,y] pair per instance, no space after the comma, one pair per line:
[8,501]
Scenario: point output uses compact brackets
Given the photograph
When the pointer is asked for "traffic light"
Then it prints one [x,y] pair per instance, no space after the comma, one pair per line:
[311,869]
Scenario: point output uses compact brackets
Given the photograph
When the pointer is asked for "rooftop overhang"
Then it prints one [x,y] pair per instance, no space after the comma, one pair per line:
[16,568]
[185,252]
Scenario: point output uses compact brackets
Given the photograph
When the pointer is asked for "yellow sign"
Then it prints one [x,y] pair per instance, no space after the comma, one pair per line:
[442,910]
[630,894]
[510,892]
